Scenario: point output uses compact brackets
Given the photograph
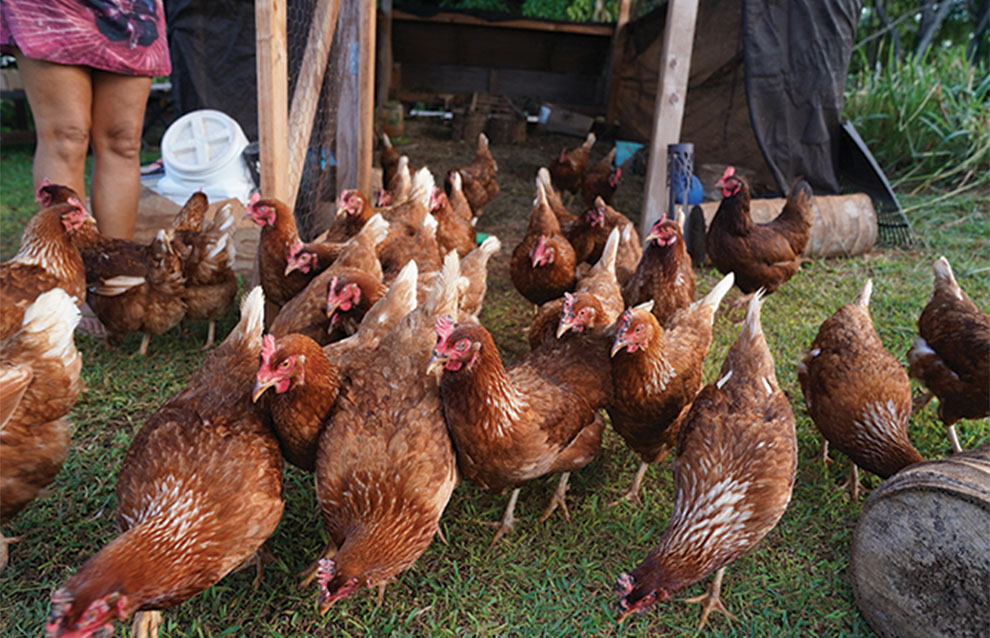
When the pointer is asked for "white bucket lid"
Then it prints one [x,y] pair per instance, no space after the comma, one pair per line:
[201,142]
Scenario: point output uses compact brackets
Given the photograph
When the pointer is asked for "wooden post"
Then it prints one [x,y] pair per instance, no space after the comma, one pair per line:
[618,39]
[366,95]
[273,91]
[384,48]
[307,92]
[355,114]
[675,66]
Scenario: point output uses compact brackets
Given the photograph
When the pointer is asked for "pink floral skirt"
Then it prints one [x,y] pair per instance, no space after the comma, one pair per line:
[122,36]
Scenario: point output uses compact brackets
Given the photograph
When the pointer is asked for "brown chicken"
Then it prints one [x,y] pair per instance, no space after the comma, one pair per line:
[630,252]
[458,202]
[858,394]
[39,383]
[46,259]
[539,416]
[656,373]
[453,232]
[564,216]
[311,258]
[589,234]
[385,467]
[353,212]
[543,264]
[601,180]
[305,378]
[733,477]
[132,287]
[207,267]
[345,290]
[664,274]
[389,159]
[479,178]
[278,235]
[198,493]
[595,304]
[567,169]
[760,255]
[474,268]
[951,354]
[413,232]
[397,188]
[192,214]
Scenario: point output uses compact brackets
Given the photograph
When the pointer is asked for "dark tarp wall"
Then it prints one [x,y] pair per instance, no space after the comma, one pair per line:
[797,56]
[213,64]
[791,61]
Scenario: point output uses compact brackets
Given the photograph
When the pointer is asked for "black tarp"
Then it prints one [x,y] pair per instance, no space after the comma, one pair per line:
[797,56]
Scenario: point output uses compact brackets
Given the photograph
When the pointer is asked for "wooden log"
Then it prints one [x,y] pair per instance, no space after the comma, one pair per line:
[273,92]
[306,95]
[678,41]
[920,563]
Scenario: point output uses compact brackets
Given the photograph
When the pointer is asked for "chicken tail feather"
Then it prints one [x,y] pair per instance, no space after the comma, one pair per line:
[714,297]
[863,298]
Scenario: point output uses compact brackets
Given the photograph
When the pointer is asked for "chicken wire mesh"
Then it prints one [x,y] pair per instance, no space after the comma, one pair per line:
[318,181]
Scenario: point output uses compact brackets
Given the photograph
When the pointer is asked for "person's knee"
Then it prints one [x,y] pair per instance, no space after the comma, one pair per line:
[69,141]
[122,141]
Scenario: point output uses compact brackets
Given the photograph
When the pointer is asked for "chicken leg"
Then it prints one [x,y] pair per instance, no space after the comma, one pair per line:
[4,542]
[146,624]
[210,334]
[632,494]
[852,482]
[557,500]
[145,340]
[508,519]
[711,600]
[823,453]
[954,438]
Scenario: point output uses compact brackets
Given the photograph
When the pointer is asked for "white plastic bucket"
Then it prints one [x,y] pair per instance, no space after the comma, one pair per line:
[202,151]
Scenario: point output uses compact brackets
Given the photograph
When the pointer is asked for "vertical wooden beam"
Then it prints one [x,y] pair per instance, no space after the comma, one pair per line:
[355,113]
[675,66]
[384,57]
[366,94]
[306,95]
[273,95]
[618,40]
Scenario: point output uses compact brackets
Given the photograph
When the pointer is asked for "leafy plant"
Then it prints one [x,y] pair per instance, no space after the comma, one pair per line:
[927,121]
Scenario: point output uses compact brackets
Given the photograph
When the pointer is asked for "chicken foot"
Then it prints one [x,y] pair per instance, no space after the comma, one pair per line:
[711,600]
[256,560]
[146,624]
[823,453]
[557,500]
[852,483]
[309,573]
[508,519]
[145,340]
[210,334]
[632,494]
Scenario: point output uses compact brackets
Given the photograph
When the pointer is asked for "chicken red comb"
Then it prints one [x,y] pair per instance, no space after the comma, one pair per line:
[729,172]
[568,308]
[39,195]
[253,202]
[75,203]
[295,249]
[444,326]
[267,349]
[623,323]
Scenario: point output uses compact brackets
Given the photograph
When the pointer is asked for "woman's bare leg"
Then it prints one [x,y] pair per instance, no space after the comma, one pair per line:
[60,96]
[118,116]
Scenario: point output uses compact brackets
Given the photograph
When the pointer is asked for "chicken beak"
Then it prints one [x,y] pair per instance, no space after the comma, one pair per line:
[436,362]
[259,389]
[289,268]
[563,327]
[653,235]
[617,346]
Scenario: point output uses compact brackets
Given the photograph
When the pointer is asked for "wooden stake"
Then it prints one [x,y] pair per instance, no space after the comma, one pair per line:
[307,92]
[273,90]
[675,66]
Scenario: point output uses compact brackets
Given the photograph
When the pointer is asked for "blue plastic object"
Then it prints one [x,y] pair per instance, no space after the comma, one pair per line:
[695,194]
[625,150]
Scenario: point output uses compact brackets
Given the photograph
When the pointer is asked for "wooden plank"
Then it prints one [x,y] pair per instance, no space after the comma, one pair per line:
[618,42]
[559,88]
[349,108]
[366,95]
[273,98]
[678,40]
[383,64]
[306,95]
[532,25]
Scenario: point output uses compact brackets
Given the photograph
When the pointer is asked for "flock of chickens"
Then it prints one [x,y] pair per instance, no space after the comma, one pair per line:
[375,373]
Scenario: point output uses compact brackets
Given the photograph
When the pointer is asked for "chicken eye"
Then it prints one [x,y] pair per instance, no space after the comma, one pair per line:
[284,364]
[461,345]
[639,329]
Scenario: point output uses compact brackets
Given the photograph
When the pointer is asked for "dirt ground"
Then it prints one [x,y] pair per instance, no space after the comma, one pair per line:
[507,313]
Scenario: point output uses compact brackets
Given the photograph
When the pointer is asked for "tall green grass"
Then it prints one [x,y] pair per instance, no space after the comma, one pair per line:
[928,121]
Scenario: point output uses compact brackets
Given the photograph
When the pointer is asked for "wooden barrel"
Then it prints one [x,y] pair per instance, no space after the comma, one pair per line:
[921,551]
[392,122]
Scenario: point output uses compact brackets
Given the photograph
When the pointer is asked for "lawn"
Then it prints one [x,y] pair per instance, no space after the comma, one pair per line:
[552,579]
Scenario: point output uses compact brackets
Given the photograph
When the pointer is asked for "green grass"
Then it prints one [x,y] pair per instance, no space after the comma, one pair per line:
[553,579]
